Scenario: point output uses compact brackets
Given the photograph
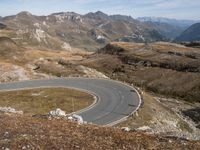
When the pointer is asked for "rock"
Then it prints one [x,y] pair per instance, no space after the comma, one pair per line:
[126,129]
[10,110]
[77,118]
[144,128]
[57,113]
[67,46]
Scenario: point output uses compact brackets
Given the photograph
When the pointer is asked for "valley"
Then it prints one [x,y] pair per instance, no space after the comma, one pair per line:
[140,53]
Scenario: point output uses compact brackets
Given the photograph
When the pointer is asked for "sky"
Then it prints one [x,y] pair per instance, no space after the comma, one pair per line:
[178,9]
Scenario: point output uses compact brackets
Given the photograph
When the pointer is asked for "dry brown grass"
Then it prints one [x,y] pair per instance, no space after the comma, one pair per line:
[160,72]
[42,101]
[157,116]
[19,132]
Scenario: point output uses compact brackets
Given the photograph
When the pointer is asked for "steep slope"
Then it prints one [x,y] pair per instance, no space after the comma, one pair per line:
[33,30]
[65,29]
[168,30]
[190,35]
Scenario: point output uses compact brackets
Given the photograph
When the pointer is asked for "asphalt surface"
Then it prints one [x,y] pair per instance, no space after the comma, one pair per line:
[115,100]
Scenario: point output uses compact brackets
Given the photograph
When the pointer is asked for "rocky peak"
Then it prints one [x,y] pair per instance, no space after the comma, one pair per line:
[97,15]
[24,13]
[65,14]
[122,17]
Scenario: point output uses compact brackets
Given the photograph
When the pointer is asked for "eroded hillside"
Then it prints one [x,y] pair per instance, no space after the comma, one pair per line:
[68,29]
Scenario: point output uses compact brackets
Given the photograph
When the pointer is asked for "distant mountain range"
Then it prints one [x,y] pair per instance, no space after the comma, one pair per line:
[2,26]
[91,31]
[175,22]
[191,34]
[170,28]
[65,29]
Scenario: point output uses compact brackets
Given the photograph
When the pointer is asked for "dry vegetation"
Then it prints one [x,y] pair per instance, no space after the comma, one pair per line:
[42,101]
[155,116]
[18,132]
[168,69]
[163,68]
[21,63]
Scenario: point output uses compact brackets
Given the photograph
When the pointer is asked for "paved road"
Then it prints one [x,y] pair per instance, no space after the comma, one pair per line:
[115,100]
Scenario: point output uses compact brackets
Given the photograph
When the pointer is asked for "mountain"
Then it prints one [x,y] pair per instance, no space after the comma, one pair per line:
[65,29]
[167,30]
[170,28]
[122,17]
[2,26]
[97,15]
[191,34]
[175,22]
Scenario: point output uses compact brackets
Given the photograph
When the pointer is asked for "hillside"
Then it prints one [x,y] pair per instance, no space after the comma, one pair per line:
[153,60]
[170,31]
[33,133]
[8,48]
[2,26]
[157,67]
[68,29]
[167,76]
[191,34]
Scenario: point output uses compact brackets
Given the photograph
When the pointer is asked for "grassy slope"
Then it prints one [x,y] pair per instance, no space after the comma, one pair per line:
[41,101]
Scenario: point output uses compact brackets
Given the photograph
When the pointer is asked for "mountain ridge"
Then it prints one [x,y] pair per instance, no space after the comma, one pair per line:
[90,31]
[191,34]
[177,22]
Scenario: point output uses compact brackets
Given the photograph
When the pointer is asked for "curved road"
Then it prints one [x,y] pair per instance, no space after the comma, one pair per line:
[115,100]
